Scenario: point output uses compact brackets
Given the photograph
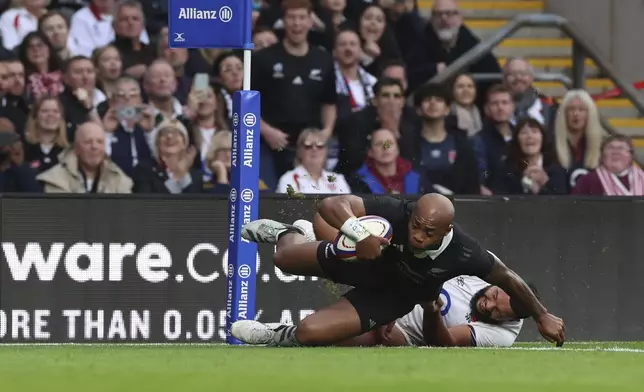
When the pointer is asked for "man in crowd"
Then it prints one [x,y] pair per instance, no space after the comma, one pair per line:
[386,112]
[518,77]
[15,175]
[446,39]
[491,142]
[444,152]
[86,168]
[80,97]
[91,27]
[128,27]
[298,88]
[13,105]
[177,57]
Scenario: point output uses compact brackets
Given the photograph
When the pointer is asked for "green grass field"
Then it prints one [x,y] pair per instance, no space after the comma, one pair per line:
[577,367]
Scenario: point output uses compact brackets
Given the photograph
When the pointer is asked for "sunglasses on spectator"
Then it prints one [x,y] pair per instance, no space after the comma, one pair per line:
[311,146]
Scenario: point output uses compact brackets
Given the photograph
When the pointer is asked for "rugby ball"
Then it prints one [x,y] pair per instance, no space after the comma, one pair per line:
[345,247]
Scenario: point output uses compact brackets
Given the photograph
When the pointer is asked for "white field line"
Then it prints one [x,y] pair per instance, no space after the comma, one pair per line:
[517,348]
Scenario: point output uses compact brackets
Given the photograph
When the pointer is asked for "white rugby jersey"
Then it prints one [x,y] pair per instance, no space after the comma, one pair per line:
[456,295]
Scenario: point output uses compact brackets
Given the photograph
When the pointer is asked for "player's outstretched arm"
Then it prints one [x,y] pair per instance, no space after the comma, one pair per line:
[551,327]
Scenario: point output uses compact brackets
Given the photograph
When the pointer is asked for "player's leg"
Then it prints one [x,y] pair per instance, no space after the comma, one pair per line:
[359,312]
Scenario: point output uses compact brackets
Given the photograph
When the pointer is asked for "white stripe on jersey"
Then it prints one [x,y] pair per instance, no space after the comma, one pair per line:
[456,295]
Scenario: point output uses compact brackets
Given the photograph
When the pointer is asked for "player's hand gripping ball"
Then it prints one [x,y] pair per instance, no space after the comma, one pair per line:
[370,247]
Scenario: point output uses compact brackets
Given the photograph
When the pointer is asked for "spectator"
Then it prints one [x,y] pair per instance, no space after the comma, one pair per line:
[86,168]
[354,132]
[128,28]
[518,77]
[309,175]
[617,173]
[108,65]
[160,86]
[129,124]
[46,134]
[407,25]
[14,176]
[219,160]
[54,25]
[156,15]
[201,60]
[17,23]
[80,96]
[16,148]
[578,135]
[378,42]
[464,107]
[395,69]
[171,171]
[446,39]
[384,171]
[13,104]
[336,8]
[229,71]
[264,37]
[354,85]
[531,166]
[91,27]
[319,33]
[177,58]
[444,153]
[42,66]
[207,118]
[297,84]
[491,143]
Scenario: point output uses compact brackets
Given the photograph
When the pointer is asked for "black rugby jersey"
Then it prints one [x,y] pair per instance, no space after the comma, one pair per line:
[419,277]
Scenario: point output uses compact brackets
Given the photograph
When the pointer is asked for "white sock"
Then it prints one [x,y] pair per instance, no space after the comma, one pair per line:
[285,336]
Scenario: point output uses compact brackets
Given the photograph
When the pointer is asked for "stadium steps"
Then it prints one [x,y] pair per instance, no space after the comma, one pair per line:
[548,50]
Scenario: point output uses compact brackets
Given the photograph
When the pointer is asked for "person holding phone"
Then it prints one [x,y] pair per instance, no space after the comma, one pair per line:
[127,122]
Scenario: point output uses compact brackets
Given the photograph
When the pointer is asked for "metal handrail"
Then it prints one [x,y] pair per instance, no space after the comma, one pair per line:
[547,77]
[581,49]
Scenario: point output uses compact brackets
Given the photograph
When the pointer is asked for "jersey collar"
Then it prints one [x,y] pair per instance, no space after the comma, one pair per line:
[437,252]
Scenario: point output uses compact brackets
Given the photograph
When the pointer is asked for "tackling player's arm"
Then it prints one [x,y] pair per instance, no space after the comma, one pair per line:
[436,332]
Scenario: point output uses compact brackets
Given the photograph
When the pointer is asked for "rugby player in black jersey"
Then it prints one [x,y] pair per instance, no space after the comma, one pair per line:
[426,250]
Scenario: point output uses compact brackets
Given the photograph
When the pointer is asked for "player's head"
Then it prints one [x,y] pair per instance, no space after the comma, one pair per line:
[430,221]
[492,305]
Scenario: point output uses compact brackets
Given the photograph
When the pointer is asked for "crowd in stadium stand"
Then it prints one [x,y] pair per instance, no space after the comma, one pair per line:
[94,101]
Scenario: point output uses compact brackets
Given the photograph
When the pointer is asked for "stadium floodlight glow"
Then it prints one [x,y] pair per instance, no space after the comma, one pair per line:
[227,24]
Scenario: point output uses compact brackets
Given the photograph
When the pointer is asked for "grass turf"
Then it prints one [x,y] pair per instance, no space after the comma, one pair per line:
[578,367]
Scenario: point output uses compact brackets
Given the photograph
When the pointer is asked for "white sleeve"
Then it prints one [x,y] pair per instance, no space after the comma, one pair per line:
[10,38]
[81,37]
[488,335]
[283,182]
[343,185]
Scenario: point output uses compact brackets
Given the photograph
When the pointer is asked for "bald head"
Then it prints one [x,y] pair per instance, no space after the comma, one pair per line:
[89,143]
[436,208]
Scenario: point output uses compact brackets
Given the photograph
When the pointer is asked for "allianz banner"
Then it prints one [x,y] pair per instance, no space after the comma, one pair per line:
[122,269]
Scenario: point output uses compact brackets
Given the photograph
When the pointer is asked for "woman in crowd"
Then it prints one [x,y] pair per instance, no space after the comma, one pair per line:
[54,25]
[207,118]
[531,166]
[229,71]
[309,175]
[578,134]
[384,171]
[219,159]
[337,8]
[616,175]
[378,42]
[42,66]
[172,169]
[464,107]
[109,67]
[45,133]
